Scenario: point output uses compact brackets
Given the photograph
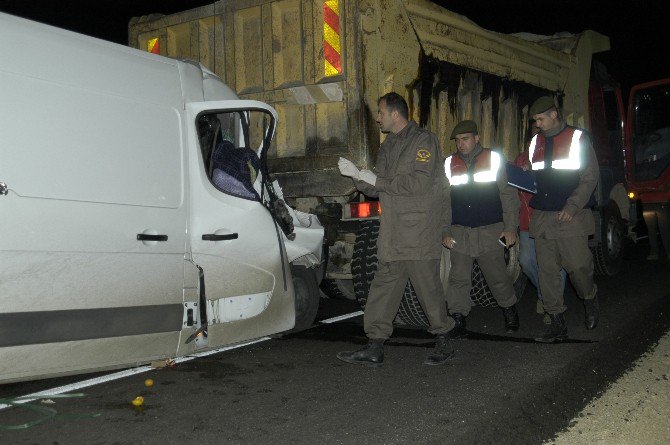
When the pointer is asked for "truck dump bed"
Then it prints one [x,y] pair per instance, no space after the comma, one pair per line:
[323,64]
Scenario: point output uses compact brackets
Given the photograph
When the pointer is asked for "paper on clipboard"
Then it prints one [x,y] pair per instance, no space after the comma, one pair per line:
[521,179]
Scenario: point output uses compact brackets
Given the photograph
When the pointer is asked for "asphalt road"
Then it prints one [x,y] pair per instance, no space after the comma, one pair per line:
[500,388]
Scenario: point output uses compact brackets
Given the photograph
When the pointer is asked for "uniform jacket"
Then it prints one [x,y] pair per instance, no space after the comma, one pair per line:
[574,190]
[474,241]
[411,185]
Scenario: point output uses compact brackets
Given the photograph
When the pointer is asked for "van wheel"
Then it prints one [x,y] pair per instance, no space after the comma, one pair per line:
[410,313]
[608,254]
[306,297]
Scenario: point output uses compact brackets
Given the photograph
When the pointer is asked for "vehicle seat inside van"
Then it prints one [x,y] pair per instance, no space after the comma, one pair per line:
[234,170]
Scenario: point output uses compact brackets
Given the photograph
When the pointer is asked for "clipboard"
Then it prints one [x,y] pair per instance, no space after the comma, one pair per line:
[521,179]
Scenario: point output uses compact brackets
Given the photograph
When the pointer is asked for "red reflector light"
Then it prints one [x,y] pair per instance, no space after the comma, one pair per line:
[362,210]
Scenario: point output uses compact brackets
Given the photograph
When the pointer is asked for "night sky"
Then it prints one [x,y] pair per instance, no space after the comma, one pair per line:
[639,29]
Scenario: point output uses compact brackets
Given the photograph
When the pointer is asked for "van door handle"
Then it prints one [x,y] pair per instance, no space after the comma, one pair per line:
[147,237]
[215,237]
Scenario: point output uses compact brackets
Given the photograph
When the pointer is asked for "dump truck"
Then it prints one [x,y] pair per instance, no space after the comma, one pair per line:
[323,64]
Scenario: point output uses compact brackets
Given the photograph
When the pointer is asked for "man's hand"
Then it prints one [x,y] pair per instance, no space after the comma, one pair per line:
[510,238]
[448,242]
[564,216]
[367,176]
[347,168]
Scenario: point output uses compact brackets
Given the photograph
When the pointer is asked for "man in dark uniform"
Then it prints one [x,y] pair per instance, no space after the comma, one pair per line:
[566,173]
[485,209]
[410,183]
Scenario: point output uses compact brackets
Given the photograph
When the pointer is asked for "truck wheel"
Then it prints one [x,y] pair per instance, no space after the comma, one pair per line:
[481,295]
[410,313]
[363,268]
[339,289]
[306,297]
[608,254]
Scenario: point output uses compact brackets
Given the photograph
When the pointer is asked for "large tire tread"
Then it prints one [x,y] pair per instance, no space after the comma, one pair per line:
[410,313]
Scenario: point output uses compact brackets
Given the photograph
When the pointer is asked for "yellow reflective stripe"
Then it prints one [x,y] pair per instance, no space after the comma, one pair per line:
[332,37]
[329,69]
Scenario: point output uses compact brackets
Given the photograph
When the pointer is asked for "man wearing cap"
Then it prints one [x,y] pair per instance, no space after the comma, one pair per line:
[410,183]
[484,210]
[566,173]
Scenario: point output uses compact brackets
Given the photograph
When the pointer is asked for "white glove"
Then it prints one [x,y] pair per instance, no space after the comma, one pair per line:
[367,176]
[347,168]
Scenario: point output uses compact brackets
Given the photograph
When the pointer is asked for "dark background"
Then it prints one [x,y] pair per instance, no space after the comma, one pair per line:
[639,29]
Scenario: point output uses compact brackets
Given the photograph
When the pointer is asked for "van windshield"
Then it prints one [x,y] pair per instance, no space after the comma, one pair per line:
[651,132]
[233,144]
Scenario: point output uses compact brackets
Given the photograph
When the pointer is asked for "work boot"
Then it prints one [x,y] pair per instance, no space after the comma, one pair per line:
[556,332]
[442,352]
[459,330]
[371,355]
[591,312]
[511,319]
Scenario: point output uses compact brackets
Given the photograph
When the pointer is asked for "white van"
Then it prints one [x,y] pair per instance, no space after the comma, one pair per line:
[134,210]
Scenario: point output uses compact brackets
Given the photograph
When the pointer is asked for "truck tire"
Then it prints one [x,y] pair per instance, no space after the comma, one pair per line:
[410,313]
[306,297]
[608,253]
[338,289]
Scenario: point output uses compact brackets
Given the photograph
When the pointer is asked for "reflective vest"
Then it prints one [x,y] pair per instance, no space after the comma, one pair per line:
[556,161]
[475,198]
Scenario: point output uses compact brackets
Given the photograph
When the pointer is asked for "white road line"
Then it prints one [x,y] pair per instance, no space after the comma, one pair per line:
[342,317]
[121,374]
[141,369]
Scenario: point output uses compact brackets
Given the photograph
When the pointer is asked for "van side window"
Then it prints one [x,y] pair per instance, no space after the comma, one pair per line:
[230,144]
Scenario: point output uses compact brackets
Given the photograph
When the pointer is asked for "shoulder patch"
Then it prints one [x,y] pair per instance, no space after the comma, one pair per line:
[422,155]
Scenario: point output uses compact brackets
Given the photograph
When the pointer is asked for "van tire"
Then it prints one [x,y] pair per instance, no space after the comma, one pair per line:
[307,297]
[410,313]
[608,253]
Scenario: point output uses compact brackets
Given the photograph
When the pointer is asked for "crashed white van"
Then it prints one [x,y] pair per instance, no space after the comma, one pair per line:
[137,220]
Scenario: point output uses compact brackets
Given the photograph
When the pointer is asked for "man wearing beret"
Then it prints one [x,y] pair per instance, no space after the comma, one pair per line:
[410,183]
[484,210]
[566,173]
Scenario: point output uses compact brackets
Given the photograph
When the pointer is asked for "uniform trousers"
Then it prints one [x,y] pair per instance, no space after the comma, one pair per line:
[387,290]
[573,255]
[528,262]
[492,264]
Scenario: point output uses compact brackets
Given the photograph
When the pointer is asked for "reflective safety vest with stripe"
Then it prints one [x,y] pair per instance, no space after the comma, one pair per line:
[556,161]
[475,198]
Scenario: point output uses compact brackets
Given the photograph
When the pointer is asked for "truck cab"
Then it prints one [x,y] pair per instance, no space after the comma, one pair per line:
[647,149]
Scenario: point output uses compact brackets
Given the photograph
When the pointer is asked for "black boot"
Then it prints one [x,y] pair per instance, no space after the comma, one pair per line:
[371,355]
[557,330]
[459,330]
[591,312]
[443,351]
[511,319]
